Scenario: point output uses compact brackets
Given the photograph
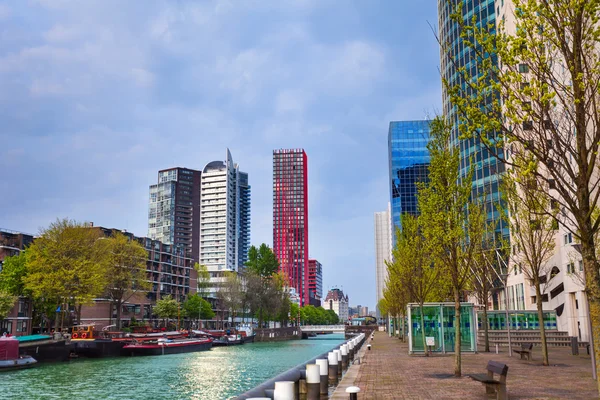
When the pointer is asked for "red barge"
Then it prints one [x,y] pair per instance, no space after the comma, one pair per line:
[167,346]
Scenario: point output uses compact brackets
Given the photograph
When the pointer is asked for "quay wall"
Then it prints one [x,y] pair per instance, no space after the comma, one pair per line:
[277,334]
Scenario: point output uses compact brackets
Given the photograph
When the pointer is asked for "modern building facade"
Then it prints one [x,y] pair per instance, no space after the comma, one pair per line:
[19,320]
[169,268]
[337,301]
[224,219]
[383,251]
[487,168]
[408,165]
[174,209]
[315,282]
[290,217]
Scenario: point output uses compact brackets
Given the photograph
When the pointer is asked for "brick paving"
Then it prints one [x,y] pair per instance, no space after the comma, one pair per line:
[388,372]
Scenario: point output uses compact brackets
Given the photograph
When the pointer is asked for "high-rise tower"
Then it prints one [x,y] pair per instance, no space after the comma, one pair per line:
[224,218]
[454,54]
[408,164]
[383,251]
[290,217]
[174,209]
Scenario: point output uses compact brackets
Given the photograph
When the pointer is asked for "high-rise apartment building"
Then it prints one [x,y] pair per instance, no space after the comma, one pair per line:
[174,209]
[383,251]
[453,54]
[408,164]
[290,217]
[315,282]
[224,218]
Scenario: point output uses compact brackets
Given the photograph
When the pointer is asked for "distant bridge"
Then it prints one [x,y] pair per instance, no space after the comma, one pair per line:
[323,328]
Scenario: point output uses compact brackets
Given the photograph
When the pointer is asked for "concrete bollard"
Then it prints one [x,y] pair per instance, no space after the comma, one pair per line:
[368,347]
[338,354]
[323,371]
[350,351]
[333,367]
[344,351]
[313,382]
[284,390]
[353,391]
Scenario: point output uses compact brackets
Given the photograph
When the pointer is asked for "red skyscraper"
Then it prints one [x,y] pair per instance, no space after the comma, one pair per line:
[290,217]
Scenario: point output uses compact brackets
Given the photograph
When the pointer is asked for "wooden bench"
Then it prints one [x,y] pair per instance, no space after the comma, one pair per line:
[526,349]
[492,385]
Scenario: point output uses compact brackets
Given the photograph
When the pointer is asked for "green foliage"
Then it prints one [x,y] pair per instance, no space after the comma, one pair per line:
[7,301]
[262,261]
[124,263]
[311,315]
[195,307]
[166,307]
[64,263]
[203,279]
[13,272]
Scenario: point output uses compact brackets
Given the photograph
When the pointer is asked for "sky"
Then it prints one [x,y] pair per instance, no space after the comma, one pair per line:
[96,96]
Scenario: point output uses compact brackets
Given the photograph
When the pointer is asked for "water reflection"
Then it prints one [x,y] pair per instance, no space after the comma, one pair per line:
[220,373]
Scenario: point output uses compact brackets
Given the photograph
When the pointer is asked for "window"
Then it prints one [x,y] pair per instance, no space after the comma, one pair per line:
[523,68]
[580,265]
[568,238]
[551,183]
[570,268]
[21,326]
[527,126]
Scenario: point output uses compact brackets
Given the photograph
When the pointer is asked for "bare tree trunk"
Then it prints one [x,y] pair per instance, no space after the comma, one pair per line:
[118,322]
[403,332]
[457,353]
[423,330]
[78,311]
[538,301]
[486,327]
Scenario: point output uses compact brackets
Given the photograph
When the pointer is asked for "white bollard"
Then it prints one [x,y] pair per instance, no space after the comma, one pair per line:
[344,351]
[353,391]
[313,381]
[338,354]
[333,366]
[323,371]
[284,390]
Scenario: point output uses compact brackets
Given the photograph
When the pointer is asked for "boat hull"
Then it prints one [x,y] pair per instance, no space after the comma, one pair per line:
[47,351]
[19,363]
[97,348]
[171,348]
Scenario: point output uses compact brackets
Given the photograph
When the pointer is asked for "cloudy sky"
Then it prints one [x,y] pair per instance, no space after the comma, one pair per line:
[97,95]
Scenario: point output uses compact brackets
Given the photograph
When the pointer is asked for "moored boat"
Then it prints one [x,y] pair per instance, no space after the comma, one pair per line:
[228,340]
[45,347]
[167,346]
[9,355]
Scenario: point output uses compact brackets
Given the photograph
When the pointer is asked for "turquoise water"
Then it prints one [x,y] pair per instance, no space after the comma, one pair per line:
[220,373]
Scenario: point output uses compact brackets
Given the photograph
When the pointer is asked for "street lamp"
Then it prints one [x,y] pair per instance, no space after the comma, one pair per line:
[504,278]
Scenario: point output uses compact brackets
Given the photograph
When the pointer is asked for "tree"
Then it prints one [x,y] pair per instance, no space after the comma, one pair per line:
[14,270]
[545,89]
[230,294]
[64,263]
[532,232]
[203,279]
[7,302]
[294,311]
[262,261]
[166,308]
[412,267]
[332,317]
[482,283]
[196,308]
[124,262]
[451,225]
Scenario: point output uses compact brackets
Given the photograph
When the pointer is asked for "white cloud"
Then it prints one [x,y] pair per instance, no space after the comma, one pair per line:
[142,77]
[40,88]
[291,101]
[60,33]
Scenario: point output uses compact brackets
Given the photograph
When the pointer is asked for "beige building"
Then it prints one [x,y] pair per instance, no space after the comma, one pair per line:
[383,251]
[337,301]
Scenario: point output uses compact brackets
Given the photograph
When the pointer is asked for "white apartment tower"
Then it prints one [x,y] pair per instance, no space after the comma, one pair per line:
[224,218]
[383,250]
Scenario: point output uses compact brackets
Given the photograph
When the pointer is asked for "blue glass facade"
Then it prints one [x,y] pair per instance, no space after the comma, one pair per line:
[487,168]
[408,164]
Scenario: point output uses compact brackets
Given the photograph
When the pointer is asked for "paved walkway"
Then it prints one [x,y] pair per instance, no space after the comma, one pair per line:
[388,372]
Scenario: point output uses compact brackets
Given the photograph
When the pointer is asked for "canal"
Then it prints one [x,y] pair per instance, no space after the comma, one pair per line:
[220,373]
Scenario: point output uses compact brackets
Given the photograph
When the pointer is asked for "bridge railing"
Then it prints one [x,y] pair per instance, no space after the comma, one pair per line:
[329,328]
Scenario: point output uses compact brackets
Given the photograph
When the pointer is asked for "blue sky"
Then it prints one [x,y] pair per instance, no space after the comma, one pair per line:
[97,96]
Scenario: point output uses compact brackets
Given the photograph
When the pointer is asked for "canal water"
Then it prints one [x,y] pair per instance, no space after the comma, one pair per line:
[220,373]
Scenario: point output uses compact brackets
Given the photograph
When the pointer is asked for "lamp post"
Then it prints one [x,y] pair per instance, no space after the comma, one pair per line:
[505,280]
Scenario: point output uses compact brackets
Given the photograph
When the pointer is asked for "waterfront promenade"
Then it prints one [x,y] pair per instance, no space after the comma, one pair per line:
[388,372]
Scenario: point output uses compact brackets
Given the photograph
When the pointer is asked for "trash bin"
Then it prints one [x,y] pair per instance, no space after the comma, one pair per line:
[574,346]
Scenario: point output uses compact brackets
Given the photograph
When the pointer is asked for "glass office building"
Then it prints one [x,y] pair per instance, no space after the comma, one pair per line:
[454,54]
[408,164]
